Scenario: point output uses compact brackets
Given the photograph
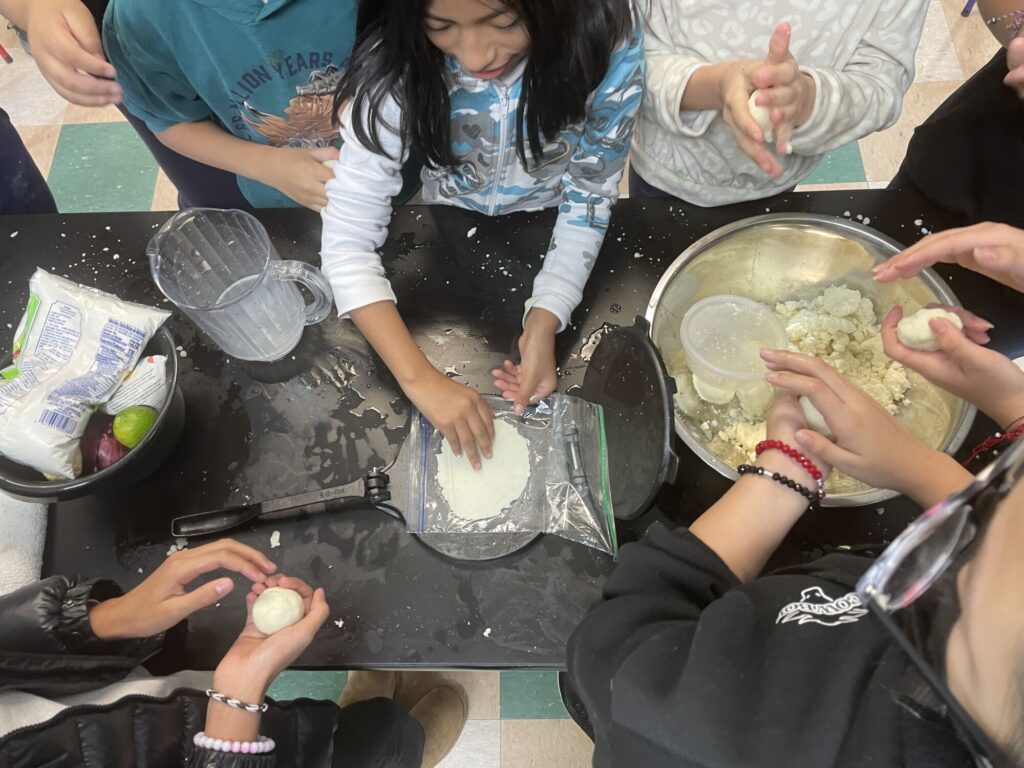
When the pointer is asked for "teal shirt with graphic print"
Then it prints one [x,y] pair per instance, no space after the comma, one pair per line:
[264,71]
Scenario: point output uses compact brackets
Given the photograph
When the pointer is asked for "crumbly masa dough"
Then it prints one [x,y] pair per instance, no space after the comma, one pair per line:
[915,331]
[815,419]
[482,494]
[840,326]
[277,608]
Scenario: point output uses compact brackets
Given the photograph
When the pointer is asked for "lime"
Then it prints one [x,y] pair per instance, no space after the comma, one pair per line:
[133,423]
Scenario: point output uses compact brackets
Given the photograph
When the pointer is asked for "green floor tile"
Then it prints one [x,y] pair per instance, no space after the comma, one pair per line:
[293,684]
[102,167]
[840,166]
[531,696]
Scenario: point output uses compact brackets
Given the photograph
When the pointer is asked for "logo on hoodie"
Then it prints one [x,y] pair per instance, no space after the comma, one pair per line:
[816,607]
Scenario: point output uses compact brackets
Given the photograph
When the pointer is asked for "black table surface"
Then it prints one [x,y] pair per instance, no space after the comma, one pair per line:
[328,412]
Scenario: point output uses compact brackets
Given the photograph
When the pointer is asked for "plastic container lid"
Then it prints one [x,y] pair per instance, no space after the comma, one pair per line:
[724,335]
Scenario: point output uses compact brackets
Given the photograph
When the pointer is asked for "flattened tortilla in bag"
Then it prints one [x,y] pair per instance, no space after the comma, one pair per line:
[73,348]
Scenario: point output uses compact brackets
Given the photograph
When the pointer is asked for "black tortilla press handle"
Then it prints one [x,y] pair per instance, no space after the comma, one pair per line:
[215,521]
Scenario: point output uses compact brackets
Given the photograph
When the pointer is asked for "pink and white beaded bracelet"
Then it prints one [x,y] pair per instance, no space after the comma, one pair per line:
[260,747]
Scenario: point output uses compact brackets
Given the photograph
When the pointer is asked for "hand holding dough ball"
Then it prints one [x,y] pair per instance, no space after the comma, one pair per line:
[277,608]
[916,332]
[815,420]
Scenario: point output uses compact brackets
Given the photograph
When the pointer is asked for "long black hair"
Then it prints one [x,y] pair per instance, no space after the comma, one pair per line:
[571,43]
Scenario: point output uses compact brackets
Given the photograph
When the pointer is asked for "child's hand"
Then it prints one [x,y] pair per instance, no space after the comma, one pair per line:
[1015,63]
[66,46]
[785,418]
[993,250]
[981,376]
[457,412]
[163,599]
[870,445]
[787,91]
[300,174]
[736,83]
[251,664]
[259,657]
[536,376]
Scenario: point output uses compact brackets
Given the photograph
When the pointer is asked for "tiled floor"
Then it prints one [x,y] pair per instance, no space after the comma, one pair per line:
[94,162]
[516,719]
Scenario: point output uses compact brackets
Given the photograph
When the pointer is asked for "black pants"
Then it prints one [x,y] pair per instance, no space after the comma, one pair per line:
[22,187]
[377,734]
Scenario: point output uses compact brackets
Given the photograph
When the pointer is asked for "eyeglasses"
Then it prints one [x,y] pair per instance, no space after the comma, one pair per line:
[921,555]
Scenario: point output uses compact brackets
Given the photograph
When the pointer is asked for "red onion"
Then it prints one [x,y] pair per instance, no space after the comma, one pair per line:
[109,451]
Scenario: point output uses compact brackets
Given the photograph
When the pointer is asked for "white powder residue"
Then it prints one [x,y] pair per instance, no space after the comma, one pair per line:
[275,540]
[339,623]
[487,632]
[471,233]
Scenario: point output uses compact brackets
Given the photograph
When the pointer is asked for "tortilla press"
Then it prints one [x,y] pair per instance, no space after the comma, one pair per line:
[625,376]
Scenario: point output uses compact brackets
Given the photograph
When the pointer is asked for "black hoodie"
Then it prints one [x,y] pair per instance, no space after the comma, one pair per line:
[682,665]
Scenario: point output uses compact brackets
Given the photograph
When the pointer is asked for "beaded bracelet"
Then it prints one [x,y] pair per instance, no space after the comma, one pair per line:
[236,704]
[260,747]
[799,458]
[750,469]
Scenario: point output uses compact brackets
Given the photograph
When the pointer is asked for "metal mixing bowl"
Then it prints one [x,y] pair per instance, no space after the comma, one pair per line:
[777,257]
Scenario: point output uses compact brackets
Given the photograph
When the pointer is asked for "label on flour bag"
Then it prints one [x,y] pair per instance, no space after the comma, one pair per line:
[146,385]
[74,347]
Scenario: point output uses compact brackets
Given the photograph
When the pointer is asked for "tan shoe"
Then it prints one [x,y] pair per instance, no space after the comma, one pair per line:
[442,712]
[363,686]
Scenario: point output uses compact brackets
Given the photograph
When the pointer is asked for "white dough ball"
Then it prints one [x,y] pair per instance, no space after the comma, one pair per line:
[916,332]
[815,420]
[763,117]
[756,398]
[276,609]
[712,393]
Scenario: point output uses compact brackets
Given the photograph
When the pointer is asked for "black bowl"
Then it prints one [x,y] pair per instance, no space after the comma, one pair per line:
[29,485]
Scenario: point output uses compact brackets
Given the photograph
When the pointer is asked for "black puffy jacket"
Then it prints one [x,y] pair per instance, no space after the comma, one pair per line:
[47,648]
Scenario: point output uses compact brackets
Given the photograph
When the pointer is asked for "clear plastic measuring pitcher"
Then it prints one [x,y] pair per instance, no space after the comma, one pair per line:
[220,268]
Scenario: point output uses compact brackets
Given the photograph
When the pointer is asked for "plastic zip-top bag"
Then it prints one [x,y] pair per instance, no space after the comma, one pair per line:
[72,349]
[549,474]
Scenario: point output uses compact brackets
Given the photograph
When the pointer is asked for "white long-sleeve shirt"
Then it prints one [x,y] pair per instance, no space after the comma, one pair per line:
[860,54]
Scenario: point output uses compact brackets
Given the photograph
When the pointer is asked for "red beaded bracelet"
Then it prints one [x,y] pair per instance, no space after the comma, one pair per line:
[799,458]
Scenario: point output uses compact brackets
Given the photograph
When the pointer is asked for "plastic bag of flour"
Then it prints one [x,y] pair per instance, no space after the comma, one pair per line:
[73,348]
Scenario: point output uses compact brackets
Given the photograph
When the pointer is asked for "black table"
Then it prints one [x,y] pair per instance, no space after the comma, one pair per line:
[326,413]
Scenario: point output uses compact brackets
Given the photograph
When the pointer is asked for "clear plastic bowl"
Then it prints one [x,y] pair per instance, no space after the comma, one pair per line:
[723,337]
